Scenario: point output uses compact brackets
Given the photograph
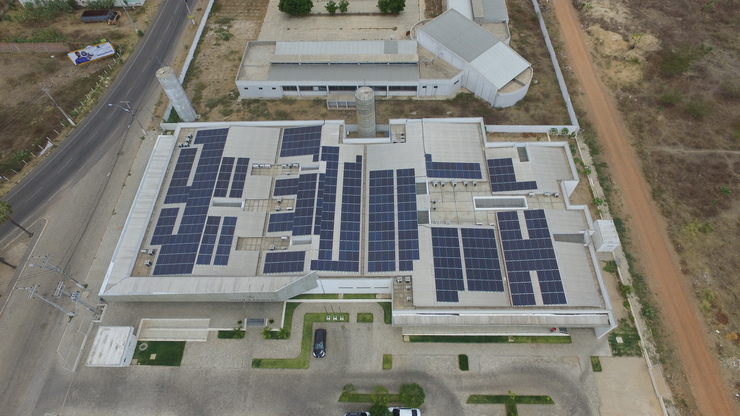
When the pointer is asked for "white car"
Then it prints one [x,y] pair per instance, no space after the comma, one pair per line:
[404,411]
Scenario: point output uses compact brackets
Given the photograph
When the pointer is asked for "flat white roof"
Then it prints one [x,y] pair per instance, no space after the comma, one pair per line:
[109,346]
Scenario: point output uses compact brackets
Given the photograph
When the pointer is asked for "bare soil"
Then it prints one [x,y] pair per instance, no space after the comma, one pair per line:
[679,172]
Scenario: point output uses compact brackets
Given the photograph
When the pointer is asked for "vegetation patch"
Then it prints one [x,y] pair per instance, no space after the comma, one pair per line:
[595,364]
[462,361]
[359,296]
[490,339]
[317,296]
[387,312]
[630,345]
[387,361]
[365,317]
[164,353]
[232,334]
[302,360]
[510,401]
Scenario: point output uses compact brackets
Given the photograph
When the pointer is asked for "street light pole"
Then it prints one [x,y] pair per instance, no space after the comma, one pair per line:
[190,14]
[128,110]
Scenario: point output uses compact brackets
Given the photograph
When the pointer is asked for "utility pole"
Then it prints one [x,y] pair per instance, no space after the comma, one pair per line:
[49,266]
[32,291]
[190,14]
[129,16]
[75,296]
[46,90]
[128,110]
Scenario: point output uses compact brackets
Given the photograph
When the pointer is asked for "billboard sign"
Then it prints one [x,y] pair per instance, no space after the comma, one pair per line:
[91,53]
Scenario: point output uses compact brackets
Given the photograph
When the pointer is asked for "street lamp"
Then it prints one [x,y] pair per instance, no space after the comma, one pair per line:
[190,14]
[128,110]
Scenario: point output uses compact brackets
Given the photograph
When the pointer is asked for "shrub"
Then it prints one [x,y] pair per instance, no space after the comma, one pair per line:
[331,7]
[698,109]
[295,7]
[412,395]
[670,98]
[391,6]
[343,5]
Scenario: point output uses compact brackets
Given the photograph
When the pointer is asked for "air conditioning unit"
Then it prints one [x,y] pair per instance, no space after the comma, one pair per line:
[277,208]
[399,279]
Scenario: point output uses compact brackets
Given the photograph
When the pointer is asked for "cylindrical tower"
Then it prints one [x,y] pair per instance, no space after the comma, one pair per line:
[365,100]
[176,93]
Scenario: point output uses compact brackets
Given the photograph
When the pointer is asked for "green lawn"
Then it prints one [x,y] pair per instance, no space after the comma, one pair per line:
[462,361]
[365,317]
[367,398]
[288,319]
[595,364]
[490,339]
[317,296]
[510,401]
[168,353]
[359,296]
[387,361]
[387,312]
[231,334]
[302,360]
[631,340]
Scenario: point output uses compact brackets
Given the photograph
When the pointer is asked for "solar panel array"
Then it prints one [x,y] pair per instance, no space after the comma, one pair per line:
[285,187]
[224,176]
[304,204]
[325,211]
[208,242]
[240,177]
[381,234]
[299,141]
[178,190]
[503,179]
[482,267]
[224,242]
[284,262]
[452,170]
[281,221]
[408,221]
[533,254]
[448,273]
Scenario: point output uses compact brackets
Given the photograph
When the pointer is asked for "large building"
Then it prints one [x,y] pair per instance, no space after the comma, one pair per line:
[451,52]
[460,231]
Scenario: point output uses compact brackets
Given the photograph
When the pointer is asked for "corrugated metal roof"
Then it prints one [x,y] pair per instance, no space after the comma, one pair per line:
[464,7]
[495,10]
[500,64]
[344,73]
[460,35]
[363,47]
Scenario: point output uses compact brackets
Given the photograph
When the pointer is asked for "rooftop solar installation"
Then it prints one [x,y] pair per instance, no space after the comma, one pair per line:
[408,222]
[208,242]
[280,221]
[285,187]
[224,176]
[178,190]
[533,254]
[299,141]
[503,179]
[482,267]
[304,204]
[225,241]
[325,210]
[381,245]
[284,262]
[165,225]
[240,177]
[452,170]
[448,272]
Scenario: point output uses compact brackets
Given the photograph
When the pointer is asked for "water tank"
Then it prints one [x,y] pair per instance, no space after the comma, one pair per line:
[365,99]
[176,93]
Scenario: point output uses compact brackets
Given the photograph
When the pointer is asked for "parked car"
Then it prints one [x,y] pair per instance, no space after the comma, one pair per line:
[404,411]
[319,343]
[357,414]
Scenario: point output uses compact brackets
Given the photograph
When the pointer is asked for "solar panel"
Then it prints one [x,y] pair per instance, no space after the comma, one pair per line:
[408,222]
[208,242]
[178,189]
[286,187]
[381,245]
[301,141]
[304,204]
[224,175]
[448,273]
[240,177]
[533,254]
[282,221]
[165,225]
[452,170]
[224,242]
[284,262]
[482,267]
[503,178]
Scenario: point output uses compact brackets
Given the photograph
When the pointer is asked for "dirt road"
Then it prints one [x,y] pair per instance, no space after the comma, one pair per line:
[647,229]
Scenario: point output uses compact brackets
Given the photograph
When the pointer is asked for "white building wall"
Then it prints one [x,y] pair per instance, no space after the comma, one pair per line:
[504,100]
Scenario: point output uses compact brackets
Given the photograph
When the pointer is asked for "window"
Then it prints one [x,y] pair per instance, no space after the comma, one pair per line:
[290,88]
[402,88]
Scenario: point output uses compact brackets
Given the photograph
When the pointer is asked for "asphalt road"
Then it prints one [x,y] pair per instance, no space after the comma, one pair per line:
[104,128]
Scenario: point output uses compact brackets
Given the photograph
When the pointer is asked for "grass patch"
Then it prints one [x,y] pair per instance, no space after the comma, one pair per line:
[316,296]
[365,317]
[231,334]
[387,312]
[167,353]
[359,296]
[595,364]
[510,401]
[302,360]
[366,398]
[387,361]
[630,347]
[490,339]
[462,361]
[288,318]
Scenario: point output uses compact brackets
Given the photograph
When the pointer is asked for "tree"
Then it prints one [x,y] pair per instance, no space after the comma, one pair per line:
[331,7]
[6,214]
[378,409]
[379,396]
[391,6]
[412,395]
[295,7]
[343,5]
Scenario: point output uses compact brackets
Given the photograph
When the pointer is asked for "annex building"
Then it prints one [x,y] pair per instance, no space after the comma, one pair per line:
[450,52]
[459,231]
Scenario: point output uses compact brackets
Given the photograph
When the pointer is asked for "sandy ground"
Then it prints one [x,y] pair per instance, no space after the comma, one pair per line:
[647,228]
[613,389]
